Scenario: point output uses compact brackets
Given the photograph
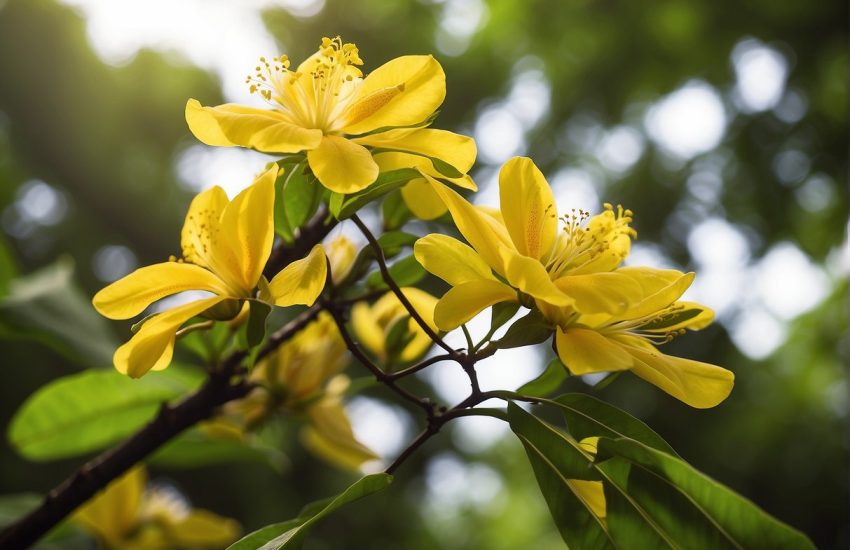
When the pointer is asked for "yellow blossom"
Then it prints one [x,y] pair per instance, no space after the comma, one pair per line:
[341,256]
[373,324]
[627,340]
[326,108]
[302,378]
[225,246]
[129,515]
[533,261]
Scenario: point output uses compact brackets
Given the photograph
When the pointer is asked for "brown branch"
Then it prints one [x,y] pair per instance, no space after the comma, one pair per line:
[388,279]
[223,385]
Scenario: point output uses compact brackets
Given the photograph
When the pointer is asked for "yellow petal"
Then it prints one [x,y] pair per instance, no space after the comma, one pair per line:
[152,347]
[463,302]
[528,207]
[402,92]
[302,281]
[660,289]
[586,351]
[203,529]
[341,255]
[591,494]
[450,259]
[247,228]
[129,296]
[341,165]
[202,221]
[261,129]
[330,437]
[480,230]
[422,200]
[700,385]
[607,292]
[454,149]
[367,330]
[113,513]
[529,275]
[704,318]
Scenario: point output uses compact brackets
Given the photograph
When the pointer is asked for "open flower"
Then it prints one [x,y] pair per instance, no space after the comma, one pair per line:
[225,246]
[374,324]
[628,340]
[533,261]
[130,515]
[328,109]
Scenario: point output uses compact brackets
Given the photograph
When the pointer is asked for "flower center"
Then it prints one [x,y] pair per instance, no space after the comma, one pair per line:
[316,94]
[587,244]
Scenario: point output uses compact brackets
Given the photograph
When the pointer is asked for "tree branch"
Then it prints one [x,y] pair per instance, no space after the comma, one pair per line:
[388,279]
[96,474]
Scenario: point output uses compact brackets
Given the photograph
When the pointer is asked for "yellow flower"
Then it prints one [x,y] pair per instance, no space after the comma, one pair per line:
[225,246]
[341,256]
[130,516]
[373,324]
[533,261]
[328,109]
[301,377]
[627,340]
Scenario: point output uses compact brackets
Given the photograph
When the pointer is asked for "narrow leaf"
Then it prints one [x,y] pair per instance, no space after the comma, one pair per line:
[548,382]
[526,331]
[255,329]
[501,314]
[394,211]
[405,272]
[387,181]
[291,534]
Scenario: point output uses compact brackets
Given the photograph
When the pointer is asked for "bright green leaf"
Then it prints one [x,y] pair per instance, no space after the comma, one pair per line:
[405,272]
[394,211]
[88,411]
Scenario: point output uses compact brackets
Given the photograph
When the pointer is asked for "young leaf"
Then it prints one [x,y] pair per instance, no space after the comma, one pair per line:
[348,205]
[88,411]
[528,330]
[291,534]
[694,510]
[548,382]
[405,272]
[501,314]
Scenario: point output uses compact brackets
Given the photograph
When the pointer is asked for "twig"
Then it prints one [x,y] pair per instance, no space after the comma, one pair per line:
[171,420]
[385,274]
[419,366]
[424,403]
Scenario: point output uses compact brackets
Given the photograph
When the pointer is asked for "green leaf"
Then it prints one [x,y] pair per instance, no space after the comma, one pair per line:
[47,306]
[526,331]
[393,241]
[348,205]
[405,272]
[445,168]
[501,314]
[255,328]
[557,460]
[88,411]
[587,416]
[291,534]
[398,337]
[395,211]
[692,509]
[548,382]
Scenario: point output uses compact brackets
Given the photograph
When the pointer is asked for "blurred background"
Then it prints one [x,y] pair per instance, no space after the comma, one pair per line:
[721,124]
